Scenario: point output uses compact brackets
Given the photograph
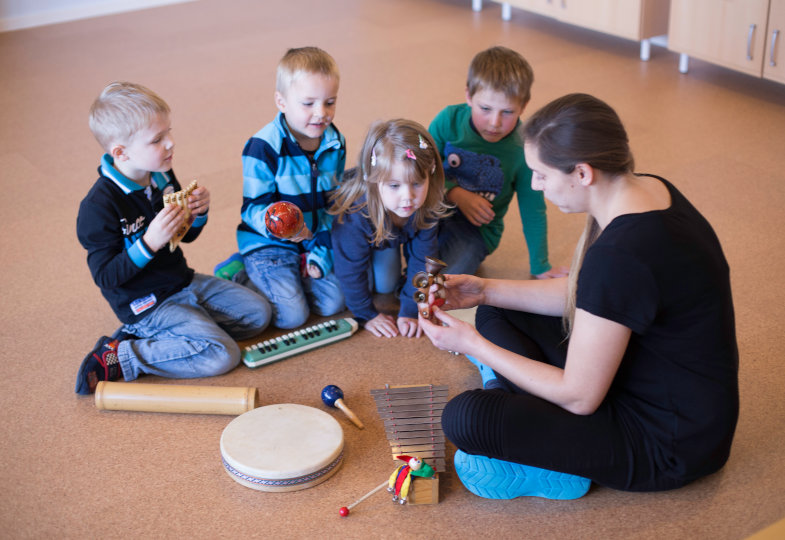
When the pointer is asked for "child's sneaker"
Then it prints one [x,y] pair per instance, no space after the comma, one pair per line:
[487,374]
[496,479]
[228,268]
[101,364]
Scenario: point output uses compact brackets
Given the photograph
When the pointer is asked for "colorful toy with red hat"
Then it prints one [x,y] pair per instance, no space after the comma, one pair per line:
[401,478]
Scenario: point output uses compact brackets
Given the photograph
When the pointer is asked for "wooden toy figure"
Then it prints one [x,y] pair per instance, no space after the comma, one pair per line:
[401,478]
[422,281]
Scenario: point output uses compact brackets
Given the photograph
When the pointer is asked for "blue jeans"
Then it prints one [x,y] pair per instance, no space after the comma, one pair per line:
[192,333]
[461,245]
[275,273]
[386,270]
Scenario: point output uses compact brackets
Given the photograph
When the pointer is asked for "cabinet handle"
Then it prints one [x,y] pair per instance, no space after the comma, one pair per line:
[774,36]
[749,41]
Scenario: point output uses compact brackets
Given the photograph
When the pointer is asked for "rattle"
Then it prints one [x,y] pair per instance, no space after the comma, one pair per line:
[422,281]
[284,219]
[333,397]
[180,198]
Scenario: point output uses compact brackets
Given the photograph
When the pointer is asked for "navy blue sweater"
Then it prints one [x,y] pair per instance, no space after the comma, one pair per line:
[353,250]
[112,219]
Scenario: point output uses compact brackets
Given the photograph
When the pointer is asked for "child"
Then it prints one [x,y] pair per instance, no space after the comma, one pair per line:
[393,198]
[297,158]
[176,323]
[484,165]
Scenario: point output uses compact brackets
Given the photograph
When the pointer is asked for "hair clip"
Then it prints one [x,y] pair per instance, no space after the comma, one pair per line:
[410,154]
[423,144]
[373,158]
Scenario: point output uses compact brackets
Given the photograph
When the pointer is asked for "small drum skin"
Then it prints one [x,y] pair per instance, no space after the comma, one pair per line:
[283,447]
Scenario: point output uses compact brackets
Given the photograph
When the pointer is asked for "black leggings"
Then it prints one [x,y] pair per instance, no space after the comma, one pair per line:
[515,426]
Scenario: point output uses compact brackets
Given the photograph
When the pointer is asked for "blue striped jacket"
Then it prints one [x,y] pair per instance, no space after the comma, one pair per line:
[276,169]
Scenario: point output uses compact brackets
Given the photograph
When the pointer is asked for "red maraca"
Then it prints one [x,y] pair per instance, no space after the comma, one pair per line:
[284,219]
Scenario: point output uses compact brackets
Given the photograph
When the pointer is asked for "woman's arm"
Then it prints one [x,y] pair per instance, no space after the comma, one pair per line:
[595,352]
[544,297]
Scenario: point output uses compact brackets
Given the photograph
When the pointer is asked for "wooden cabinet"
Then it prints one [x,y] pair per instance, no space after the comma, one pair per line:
[745,35]
[638,20]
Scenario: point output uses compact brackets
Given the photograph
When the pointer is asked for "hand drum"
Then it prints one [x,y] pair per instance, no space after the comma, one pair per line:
[284,219]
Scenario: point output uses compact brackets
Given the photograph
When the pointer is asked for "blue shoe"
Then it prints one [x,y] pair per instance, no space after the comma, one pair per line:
[486,373]
[496,479]
[228,268]
[101,364]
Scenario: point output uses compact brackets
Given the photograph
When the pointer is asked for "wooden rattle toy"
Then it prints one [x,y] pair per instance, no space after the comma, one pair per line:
[180,198]
[333,397]
[284,219]
[422,281]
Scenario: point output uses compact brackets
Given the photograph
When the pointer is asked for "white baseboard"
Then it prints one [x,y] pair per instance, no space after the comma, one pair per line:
[53,15]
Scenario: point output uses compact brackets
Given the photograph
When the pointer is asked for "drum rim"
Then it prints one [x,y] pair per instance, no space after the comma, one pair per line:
[269,479]
[284,482]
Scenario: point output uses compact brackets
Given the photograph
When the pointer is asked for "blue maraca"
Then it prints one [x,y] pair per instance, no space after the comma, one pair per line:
[333,397]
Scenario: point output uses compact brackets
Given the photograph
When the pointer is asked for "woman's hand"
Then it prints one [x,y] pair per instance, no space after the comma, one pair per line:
[451,335]
[461,291]
[408,327]
[382,326]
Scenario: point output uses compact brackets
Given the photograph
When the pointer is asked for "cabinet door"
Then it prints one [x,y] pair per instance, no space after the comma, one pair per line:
[774,57]
[541,7]
[726,32]
[616,17]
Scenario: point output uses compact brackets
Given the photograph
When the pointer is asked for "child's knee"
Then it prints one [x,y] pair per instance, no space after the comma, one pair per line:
[259,313]
[224,357]
[294,315]
[329,307]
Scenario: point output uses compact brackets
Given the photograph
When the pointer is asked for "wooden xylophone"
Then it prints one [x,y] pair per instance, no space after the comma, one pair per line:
[304,339]
[180,198]
[412,417]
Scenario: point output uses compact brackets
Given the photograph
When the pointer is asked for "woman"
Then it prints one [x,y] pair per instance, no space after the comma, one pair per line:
[625,373]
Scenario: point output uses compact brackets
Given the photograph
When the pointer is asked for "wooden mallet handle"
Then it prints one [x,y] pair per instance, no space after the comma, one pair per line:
[348,412]
[332,396]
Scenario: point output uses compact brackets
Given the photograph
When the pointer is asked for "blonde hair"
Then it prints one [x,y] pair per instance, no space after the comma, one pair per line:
[386,144]
[304,60]
[122,109]
[502,70]
[573,129]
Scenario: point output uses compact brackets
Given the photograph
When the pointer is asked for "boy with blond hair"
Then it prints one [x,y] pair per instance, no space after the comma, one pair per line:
[177,323]
[484,165]
[298,157]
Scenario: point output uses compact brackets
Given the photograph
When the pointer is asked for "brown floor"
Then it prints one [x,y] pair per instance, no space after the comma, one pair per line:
[72,471]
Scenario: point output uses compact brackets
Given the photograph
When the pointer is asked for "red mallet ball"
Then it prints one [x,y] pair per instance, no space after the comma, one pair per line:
[343,511]
[284,219]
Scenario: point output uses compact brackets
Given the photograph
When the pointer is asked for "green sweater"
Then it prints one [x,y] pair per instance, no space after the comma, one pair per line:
[453,125]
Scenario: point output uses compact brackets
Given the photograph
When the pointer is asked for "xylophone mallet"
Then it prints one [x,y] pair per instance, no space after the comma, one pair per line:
[333,397]
[344,510]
